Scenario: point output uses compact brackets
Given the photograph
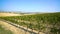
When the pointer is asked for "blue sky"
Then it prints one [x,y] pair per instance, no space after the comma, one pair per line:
[30,5]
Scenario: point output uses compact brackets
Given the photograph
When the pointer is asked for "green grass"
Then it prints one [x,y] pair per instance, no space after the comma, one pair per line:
[4,31]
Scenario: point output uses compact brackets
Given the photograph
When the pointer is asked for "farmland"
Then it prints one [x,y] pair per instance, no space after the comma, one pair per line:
[47,22]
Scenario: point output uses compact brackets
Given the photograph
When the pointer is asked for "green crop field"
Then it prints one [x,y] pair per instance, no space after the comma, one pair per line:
[39,22]
[4,31]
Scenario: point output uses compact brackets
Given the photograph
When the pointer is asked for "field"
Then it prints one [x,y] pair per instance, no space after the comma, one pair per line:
[47,22]
[8,14]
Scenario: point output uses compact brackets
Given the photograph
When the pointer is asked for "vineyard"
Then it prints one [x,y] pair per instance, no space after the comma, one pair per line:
[47,22]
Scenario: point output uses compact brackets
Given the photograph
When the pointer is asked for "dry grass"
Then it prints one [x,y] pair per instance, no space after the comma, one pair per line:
[9,14]
[13,14]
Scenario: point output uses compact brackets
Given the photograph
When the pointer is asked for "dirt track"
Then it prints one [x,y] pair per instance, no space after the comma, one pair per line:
[15,30]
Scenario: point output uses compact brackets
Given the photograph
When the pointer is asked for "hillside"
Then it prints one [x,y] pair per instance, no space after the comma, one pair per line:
[47,22]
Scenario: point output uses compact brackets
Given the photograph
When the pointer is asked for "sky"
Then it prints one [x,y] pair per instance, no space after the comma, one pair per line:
[30,5]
